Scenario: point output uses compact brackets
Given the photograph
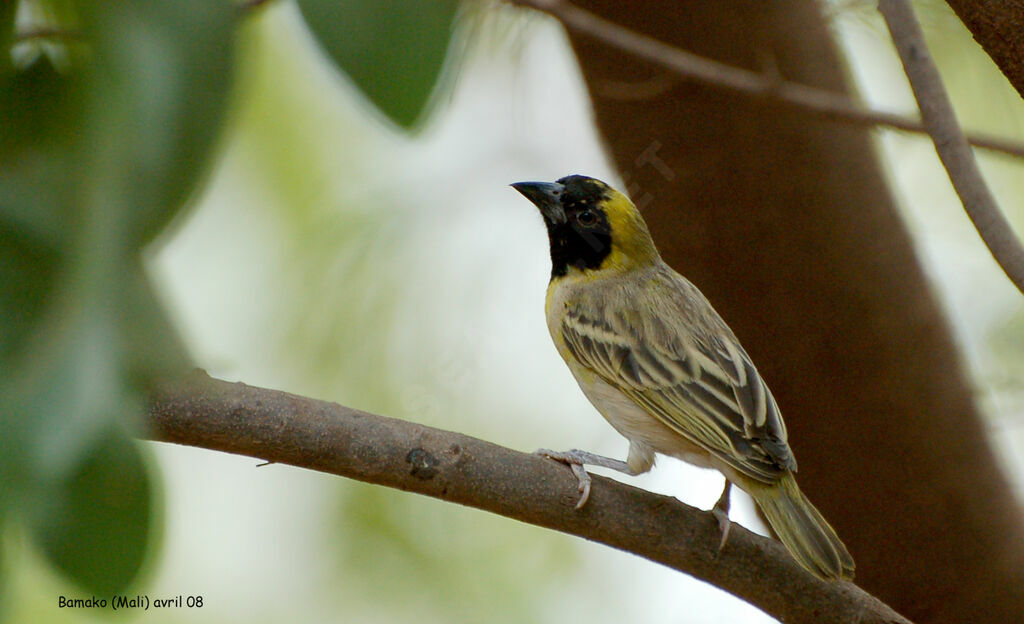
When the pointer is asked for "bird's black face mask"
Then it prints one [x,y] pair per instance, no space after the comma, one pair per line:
[578,228]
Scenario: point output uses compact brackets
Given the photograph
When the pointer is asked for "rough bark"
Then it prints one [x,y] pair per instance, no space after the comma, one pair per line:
[786,224]
[998,26]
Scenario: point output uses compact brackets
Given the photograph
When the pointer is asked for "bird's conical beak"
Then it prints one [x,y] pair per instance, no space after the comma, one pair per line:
[547,196]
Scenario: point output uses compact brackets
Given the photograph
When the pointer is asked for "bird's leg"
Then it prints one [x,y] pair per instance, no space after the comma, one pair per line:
[575,459]
[721,513]
[640,460]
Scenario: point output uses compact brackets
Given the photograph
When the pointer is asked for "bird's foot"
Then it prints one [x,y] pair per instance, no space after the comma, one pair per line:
[721,513]
[576,458]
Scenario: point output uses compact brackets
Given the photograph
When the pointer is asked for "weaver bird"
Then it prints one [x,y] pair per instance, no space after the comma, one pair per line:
[663,368]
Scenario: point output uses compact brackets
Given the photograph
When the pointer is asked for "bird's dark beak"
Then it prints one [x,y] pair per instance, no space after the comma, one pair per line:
[545,195]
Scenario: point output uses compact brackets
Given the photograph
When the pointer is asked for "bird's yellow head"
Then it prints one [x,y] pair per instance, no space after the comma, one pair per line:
[591,226]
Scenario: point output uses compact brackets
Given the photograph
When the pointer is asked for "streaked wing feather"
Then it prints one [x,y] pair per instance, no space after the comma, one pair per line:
[756,402]
[707,390]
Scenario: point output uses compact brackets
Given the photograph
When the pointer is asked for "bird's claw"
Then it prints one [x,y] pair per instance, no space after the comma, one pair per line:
[583,484]
[721,513]
[724,524]
[574,461]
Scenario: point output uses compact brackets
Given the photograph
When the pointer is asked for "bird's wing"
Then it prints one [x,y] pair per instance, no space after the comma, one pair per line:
[701,384]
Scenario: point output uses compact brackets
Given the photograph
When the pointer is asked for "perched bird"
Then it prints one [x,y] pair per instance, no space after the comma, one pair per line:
[663,368]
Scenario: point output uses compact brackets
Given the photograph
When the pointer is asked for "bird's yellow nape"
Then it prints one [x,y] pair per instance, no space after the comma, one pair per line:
[632,245]
[591,226]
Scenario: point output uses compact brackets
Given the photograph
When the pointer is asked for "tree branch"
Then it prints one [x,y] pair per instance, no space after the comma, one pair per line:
[999,28]
[289,429]
[950,143]
[821,102]
[47,32]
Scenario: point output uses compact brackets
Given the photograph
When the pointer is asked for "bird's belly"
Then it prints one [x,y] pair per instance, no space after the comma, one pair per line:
[636,424]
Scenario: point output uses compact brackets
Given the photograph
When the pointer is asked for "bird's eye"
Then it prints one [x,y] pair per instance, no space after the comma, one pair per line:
[586,217]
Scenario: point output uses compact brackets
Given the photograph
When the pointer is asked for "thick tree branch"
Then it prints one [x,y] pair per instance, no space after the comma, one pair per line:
[820,102]
[289,429]
[787,225]
[950,143]
[999,28]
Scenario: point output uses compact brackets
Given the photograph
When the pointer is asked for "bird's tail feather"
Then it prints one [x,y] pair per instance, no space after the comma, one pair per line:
[803,530]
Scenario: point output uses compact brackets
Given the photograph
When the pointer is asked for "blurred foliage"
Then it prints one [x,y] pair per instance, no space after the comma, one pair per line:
[375,305]
[101,507]
[109,113]
[313,158]
[393,50]
[109,116]
[449,564]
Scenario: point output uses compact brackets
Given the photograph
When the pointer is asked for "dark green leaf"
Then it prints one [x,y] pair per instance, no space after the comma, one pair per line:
[159,100]
[38,107]
[392,49]
[153,349]
[40,112]
[65,393]
[95,525]
[7,12]
[95,160]
[28,268]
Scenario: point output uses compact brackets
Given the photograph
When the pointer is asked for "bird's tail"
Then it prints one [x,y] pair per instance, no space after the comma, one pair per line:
[803,530]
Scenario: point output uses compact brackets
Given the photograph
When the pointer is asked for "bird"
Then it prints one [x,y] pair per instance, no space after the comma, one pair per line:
[659,363]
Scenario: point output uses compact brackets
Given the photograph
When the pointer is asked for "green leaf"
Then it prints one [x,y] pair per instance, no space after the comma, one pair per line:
[28,269]
[95,525]
[159,101]
[66,391]
[39,112]
[127,136]
[45,29]
[153,349]
[7,13]
[393,50]
[96,158]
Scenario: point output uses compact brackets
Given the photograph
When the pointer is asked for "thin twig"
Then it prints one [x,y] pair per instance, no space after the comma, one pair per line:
[47,32]
[950,143]
[288,429]
[827,104]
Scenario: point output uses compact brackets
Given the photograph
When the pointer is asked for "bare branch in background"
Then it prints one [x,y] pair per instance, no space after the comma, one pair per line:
[823,103]
[47,32]
[950,143]
[284,428]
